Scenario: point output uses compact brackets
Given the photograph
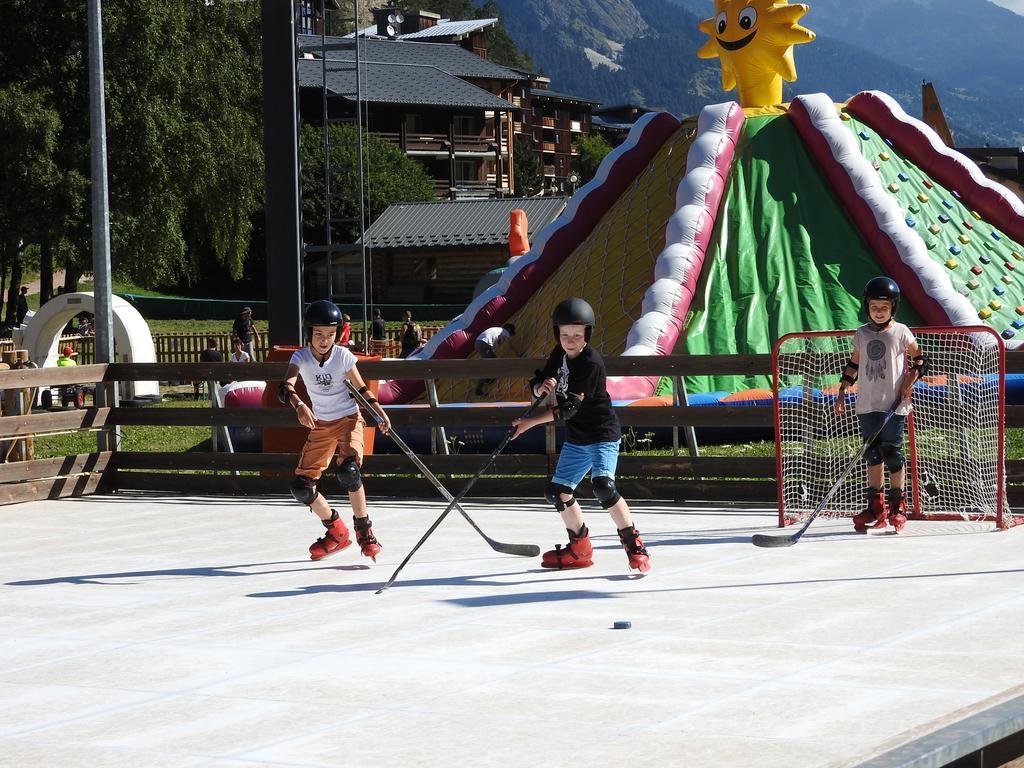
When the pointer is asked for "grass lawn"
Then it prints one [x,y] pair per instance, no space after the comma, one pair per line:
[137,438]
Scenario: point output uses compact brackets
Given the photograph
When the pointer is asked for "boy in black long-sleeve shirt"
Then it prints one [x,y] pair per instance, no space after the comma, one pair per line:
[576,374]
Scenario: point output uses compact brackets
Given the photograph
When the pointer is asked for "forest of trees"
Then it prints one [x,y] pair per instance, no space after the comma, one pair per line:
[184,140]
[184,136]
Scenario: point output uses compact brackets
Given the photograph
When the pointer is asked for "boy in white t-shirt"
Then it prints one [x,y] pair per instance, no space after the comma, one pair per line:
[879,365]
[336,427]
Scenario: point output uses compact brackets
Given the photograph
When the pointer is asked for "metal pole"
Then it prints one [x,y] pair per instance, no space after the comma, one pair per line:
[328,240]
[281,153]
[104,340]
[362,171]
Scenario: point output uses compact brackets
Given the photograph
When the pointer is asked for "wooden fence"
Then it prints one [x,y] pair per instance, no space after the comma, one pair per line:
[676,477]
[186,347]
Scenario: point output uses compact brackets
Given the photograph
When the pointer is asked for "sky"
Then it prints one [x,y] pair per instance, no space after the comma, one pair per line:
[1013,5]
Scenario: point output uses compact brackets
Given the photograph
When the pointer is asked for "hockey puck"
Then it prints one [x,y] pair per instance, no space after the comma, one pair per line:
[622,625]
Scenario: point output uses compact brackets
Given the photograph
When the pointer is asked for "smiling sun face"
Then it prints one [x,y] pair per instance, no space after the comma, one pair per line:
[754,40]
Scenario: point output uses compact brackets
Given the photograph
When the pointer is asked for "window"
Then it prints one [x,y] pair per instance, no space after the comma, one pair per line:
[414,123]
[465,125]
[466,170]
[306,17]
[347,277]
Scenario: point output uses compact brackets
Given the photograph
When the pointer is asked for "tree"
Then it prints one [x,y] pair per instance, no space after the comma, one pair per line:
[391,177]
[526,167]
[29,178]
[183,128]
[592,149]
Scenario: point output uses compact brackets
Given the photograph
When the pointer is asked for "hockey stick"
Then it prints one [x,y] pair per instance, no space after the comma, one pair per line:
[459,496]
[523,550]
[765,540]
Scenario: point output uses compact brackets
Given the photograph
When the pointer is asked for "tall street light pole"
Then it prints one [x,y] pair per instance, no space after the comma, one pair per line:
[102,290]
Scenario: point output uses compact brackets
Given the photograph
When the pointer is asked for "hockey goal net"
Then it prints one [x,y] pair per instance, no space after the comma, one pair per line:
[954,441]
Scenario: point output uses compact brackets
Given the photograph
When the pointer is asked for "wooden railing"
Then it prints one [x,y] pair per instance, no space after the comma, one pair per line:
[677,477]
[186,347]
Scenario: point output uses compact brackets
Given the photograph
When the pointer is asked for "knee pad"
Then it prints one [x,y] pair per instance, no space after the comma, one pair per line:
[873,455]
[348,475]
[553,494]
[892,454]
[604,491]
[304,490]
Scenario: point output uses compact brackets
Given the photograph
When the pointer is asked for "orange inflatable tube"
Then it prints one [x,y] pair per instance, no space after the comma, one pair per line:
[518,243]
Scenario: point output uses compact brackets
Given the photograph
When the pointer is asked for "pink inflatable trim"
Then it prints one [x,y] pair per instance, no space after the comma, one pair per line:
[702,228]
[570,230]
[946,166]
[863,219]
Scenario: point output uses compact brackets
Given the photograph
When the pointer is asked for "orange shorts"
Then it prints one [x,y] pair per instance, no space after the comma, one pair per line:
[343,436]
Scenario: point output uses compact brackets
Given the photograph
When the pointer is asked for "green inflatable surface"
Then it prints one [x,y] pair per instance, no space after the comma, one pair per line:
[783,257]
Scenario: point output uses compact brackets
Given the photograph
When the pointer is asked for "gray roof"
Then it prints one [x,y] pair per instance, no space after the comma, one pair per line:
[544,93]
[602,122]
[399,84]
[447,28]
[444,223]
[443,28]
[449,57]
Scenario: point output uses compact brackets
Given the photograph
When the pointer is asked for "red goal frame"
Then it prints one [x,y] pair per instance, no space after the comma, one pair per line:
[1001,517]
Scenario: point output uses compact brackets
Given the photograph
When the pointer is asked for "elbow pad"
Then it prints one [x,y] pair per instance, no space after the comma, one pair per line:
[567,408]
[850,379]
[921,364]
[284,393]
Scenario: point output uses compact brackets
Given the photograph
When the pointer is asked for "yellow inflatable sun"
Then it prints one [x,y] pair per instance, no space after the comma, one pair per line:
[754,40]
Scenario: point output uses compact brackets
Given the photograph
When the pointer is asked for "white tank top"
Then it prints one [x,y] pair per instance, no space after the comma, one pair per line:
[326,383]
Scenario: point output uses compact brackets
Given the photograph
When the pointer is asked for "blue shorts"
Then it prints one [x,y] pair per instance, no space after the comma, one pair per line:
[599,459]
[891,436]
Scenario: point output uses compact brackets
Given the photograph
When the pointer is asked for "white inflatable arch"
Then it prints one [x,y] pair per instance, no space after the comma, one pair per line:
[133,342]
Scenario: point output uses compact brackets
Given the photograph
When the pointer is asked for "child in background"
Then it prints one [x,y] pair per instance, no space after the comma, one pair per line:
[879,363]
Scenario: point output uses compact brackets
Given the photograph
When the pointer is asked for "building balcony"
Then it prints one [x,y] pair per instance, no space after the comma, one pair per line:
[548,146]
[548,122]
[576,126]
[460,190]
[549,170]
[439,144]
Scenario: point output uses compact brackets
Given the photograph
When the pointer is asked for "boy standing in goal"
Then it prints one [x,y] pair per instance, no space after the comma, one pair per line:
[336,427]
[879,363]
[576,374]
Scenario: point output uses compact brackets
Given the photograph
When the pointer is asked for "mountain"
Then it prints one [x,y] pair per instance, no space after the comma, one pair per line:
[644,51]
[971,49]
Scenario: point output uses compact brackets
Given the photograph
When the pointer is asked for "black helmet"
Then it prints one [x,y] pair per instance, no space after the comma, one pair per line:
[882,289]
[322,312]
[573,312]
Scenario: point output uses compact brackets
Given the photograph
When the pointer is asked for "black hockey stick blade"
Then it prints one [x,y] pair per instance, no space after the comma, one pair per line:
[764,540]
[521,550]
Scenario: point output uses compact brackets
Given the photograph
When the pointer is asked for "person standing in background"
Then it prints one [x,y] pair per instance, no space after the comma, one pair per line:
[411,334]
[209,355]
[238,355]
[377,328]
[244,330]
[22,305]
[345,335]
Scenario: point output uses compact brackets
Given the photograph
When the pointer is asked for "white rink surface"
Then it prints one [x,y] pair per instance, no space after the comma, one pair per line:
[153,631]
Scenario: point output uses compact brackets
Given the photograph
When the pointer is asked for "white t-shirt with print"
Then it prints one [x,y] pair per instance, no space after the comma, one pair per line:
[883,362]
[326,383]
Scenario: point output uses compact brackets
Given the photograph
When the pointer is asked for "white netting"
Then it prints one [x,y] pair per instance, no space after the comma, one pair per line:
[954,437]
